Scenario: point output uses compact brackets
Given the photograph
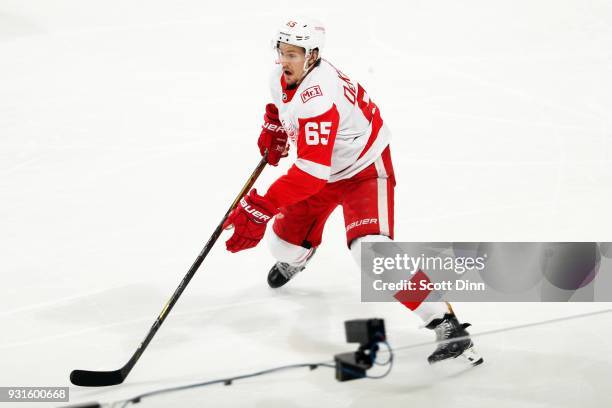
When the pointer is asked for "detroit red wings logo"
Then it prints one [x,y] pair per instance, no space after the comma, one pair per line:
[310,93]
[290,129]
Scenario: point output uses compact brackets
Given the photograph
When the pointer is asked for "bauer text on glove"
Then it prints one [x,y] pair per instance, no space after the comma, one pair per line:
[249,219]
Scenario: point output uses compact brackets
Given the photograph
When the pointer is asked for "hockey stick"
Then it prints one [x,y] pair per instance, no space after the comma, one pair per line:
[87,378]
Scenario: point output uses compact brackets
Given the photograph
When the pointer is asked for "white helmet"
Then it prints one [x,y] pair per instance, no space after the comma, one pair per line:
[302,32]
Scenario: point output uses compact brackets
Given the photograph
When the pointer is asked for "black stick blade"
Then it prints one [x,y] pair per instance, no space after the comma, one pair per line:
[86,378]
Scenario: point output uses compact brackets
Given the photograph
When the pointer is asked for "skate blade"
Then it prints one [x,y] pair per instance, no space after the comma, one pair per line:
[471,356]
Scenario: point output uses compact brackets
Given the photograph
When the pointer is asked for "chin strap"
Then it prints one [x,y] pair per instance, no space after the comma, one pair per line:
[307,68]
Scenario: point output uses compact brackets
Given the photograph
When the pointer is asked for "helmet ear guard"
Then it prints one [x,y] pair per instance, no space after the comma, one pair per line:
[307,57]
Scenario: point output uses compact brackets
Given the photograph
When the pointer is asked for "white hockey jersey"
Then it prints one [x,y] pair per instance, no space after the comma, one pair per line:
[337,130]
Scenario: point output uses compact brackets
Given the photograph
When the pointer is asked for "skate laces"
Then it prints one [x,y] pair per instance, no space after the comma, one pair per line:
[444,329]
[448,329]
[288,271]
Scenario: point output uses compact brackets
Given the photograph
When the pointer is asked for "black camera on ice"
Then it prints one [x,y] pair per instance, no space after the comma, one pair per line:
[368,333]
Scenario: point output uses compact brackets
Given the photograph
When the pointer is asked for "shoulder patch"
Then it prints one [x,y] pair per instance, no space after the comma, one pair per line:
[310,93]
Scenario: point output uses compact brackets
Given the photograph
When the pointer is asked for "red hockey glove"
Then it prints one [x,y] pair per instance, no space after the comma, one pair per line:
[249,219]
[273,137]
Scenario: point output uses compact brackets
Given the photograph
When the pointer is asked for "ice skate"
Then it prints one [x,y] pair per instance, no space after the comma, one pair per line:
[449,328]
[281,273]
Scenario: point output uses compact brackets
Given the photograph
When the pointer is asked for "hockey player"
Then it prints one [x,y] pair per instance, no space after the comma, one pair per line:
[343,158]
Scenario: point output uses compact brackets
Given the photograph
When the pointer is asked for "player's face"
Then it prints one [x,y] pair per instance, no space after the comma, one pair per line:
[292,60]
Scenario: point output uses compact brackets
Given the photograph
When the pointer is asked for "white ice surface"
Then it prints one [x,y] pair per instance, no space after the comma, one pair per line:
[126,127]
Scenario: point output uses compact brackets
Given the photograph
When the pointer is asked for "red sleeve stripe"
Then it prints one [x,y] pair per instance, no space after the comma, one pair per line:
[376,124]
[317,170]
